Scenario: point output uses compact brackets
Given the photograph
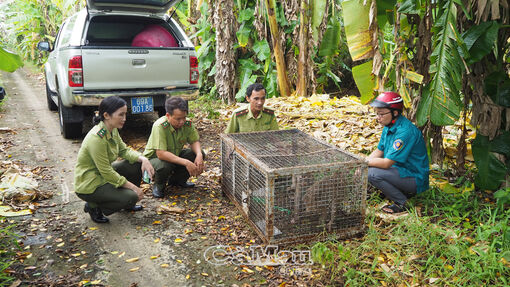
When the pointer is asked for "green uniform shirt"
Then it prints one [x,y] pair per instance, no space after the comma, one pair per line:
[165,137]
[243,121]
[94,164]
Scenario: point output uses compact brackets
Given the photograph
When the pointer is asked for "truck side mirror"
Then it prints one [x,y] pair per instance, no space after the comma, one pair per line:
[44,46]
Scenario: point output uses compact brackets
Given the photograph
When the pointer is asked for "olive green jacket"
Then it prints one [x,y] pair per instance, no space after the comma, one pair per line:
[165,137]
[94,164]
[243,121]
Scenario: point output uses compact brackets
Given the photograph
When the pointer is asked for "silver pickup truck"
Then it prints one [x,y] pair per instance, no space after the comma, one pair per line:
[129,48]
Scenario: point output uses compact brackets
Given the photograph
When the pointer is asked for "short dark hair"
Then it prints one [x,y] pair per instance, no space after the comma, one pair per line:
[254,87]
[108,105]
[173,103]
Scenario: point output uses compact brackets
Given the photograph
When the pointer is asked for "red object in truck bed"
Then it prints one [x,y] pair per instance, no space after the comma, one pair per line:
[154,36]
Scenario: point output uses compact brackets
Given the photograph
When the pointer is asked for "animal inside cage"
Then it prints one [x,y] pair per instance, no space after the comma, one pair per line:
[292,187]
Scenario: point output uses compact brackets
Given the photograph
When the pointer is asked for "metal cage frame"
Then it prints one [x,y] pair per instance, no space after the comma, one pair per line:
[270,182]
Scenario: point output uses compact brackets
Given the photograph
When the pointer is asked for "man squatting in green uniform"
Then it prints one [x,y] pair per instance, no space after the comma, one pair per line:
[254,116]
[106,184]
[173,164]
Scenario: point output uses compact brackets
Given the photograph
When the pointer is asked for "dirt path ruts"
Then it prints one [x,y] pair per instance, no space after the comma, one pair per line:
[104,248]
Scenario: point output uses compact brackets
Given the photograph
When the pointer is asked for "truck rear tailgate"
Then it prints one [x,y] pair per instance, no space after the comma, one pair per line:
[121,68]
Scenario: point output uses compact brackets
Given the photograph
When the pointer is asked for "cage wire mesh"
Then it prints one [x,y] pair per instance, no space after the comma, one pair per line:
[291,186]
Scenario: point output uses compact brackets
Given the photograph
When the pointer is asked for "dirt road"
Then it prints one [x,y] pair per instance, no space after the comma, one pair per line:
[63,247]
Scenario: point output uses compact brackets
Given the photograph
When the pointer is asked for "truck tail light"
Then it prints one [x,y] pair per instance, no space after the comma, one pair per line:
[75,73]
[193,70]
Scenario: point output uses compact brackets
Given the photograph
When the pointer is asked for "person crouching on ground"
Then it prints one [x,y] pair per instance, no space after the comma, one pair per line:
[253,117]
[399,167]
[105,183]
[165,148]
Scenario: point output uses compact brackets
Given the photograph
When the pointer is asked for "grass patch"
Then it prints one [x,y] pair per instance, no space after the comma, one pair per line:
[8,247]
[207,105]
[458,240]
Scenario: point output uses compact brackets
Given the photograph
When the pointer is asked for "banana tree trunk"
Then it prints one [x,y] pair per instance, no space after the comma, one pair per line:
[281,70]
[423,51]
[193,14]
[437,152]
[302,83]
[225,54]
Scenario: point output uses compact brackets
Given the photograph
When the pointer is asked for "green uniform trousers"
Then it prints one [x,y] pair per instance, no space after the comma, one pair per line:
[172,173]
[111,199]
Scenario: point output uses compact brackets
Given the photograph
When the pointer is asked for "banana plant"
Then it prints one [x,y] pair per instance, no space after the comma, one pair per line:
[441,103]
[206,49]
[318,10]
[491,170]
[29,21]
[328,53]
[492,156]
[356,16]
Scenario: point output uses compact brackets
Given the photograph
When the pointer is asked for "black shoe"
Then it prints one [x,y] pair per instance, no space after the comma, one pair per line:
[183,184]
[135,208]
[394,208]
[95,214]
[158,190]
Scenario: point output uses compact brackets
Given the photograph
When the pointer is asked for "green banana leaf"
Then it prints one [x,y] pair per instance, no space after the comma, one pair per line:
[9,62]
[318,10]
[411,7]
[246,15]
[501,144]
[356,24]
[245,82]
[441,97]
[243,35]
[491,171]
[497,86]
[385,12]
[183,18]
[261,48]
[480,39]
[270,84]
[204,48]
[331,41]
[246,77]
[365,81]
[246,20]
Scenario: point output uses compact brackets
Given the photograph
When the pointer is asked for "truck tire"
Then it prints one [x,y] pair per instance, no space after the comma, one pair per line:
[71,121]
[161,111]
[49,94]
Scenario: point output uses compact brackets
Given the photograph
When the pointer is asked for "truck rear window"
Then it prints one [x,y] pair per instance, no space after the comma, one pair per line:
[144,2]
[120,30]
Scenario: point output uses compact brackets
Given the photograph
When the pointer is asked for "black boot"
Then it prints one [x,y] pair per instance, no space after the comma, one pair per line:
[158,190]
[135,208]
[183,184]
[95,214]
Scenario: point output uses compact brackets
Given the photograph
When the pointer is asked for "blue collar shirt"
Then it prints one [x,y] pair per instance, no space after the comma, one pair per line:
[403,143]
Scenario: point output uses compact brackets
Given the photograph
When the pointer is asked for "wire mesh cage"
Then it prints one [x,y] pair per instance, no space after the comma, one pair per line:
[292,187]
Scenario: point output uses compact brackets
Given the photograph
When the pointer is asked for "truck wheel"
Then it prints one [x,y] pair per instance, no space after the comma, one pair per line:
[71,121]
[49,94]
[161,111]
